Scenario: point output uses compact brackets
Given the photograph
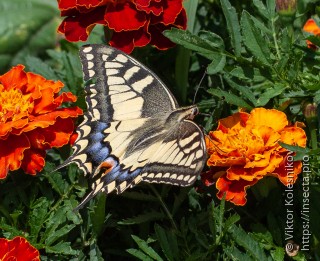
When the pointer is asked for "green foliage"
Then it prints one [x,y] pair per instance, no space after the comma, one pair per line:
[251,58]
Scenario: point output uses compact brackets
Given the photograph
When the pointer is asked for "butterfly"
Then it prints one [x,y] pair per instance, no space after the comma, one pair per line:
[133,129]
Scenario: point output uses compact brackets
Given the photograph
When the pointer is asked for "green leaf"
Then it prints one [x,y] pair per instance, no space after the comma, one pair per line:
[61,248]
[95,253]
[39,210]
[27,27]
[253,39]
[146,249]
[270,93]
[232,25]
[139,254]
[247,242]
[54,236]
[278,254]
[217,65]
[261,8]
[168,243]
[57,182]
[99,214]
[235,254]
[193,42]
[244,90]
[36,65]
[230,98]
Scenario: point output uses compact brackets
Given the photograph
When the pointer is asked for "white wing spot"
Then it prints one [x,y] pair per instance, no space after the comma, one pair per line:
[112,71]
[113,65]
[159,175]
[140,85]
[89,56]
[91,73]
[128,74]
[186,178]
[121,58]
[113,80]
[90,65]
[87,49]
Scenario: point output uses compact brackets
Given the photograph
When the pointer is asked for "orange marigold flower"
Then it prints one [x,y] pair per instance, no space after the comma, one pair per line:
[245,148]
[31,120]
[18,249]
[311,27]
[135,23]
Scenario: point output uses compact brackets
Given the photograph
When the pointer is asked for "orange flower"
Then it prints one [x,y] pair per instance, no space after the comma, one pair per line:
[31,120]
[18,249]
[245,148]
[311,27]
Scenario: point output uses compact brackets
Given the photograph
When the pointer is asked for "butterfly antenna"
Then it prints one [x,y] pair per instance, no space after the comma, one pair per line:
[198,87]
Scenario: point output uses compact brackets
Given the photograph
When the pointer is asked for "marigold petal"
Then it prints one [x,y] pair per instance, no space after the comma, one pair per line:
[78,28]
[33,161]
[15,78]
[18,249]
[124,17]
[288,170]
[235,190]
[45,120]
[311,27]
[156,8]
[236,121]
[127,40]
[11,153]
[7,127]
[294,136]
[171,10]
[275,119]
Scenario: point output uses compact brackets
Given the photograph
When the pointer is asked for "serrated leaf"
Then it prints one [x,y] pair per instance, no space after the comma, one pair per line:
[95,253]
[248,243]
[57,182]
[217,65]
[278,254]
[261,8]
[244,90]
[139,254]
[61,248]
[232,25]
[145,248]
[98,216]
[168,243]
[36,65]
[54,236]
[269,93]
[194,42]
[38,213]
[253,39]
[230,98]
[235,254]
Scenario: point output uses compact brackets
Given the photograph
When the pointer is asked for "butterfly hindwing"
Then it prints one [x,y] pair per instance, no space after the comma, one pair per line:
[179,158]
[133,129]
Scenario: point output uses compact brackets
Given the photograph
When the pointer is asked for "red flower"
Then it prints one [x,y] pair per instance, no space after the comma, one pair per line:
[135,23]
[245,149]
[17,249]
[31,120]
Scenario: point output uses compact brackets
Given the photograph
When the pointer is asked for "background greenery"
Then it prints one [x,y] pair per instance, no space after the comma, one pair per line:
[252,57]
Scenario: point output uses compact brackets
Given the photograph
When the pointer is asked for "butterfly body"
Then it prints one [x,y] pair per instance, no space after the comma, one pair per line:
[133,130]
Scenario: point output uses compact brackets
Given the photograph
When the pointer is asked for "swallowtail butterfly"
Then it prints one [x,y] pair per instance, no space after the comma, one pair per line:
[133,129]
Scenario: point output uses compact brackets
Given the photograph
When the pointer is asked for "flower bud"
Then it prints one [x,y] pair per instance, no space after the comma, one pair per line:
[310,110]
[286,7]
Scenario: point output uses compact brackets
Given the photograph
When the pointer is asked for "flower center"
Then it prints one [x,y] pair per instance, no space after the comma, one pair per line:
[14,105]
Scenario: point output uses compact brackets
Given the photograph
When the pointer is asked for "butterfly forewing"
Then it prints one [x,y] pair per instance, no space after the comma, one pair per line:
[129,133]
